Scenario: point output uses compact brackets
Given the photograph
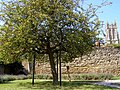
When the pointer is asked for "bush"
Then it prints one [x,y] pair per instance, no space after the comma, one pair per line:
[88,76]
[40,76]
[75,76]
[6,78]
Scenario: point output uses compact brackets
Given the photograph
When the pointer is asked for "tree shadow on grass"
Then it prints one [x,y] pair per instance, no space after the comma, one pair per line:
[79,85]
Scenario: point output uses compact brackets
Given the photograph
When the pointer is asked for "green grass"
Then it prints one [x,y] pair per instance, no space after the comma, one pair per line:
[116,78]
[47,85]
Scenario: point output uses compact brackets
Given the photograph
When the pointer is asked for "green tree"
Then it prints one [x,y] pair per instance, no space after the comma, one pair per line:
[43,26]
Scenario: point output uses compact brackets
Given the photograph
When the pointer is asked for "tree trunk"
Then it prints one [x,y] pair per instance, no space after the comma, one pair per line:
[53,69]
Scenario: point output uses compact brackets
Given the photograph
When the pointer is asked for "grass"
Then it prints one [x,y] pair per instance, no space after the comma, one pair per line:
[47,85]
[116,45]
[116,78]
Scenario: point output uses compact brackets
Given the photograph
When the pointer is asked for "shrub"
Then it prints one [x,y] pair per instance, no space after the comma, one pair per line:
[88,76]
[6,78]
[75,76]
[40,76]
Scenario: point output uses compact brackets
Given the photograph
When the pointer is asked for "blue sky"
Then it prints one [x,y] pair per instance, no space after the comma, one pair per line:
[110,12]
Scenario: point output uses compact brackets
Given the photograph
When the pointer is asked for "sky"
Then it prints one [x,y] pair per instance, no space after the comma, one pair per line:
[110,13]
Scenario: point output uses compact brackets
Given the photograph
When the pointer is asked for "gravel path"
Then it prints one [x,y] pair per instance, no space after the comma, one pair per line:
[110,83]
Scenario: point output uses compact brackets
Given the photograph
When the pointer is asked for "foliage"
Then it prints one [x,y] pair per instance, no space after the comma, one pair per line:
[25,32]
[75,76]
[41,76]
[93,77]
[6,78]
[45,27]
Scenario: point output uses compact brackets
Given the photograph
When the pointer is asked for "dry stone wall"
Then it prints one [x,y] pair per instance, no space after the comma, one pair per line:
[102,60]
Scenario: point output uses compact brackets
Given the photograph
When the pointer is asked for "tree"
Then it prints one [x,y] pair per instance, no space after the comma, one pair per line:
[45,27]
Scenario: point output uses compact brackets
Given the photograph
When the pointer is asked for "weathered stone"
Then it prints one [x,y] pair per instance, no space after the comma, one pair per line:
[103,60]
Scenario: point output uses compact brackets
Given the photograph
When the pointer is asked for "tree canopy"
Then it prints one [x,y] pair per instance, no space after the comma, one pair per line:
[43,26]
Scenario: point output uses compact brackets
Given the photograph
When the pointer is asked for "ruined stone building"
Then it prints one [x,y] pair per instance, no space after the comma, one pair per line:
[112,36]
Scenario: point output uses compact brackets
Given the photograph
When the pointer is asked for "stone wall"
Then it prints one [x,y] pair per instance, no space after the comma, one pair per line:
[102,60]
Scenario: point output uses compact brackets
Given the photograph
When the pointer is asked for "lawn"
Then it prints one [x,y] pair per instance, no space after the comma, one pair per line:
[116,78]
[47,85]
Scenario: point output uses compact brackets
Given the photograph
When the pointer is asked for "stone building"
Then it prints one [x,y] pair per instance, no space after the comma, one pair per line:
[112,36]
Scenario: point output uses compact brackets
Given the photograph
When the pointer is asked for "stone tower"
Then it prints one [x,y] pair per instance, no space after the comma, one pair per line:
[112,36]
